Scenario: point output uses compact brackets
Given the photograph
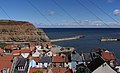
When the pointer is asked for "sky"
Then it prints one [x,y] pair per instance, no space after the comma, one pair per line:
[63,13]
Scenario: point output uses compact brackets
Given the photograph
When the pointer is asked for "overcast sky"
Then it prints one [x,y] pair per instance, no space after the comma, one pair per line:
[64,13]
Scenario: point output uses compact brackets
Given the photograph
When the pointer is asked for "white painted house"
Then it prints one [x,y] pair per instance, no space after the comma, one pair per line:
[98,65]
[36,54]
[118,68]
[104,68]
[38,47]
[25,53]
[50,53]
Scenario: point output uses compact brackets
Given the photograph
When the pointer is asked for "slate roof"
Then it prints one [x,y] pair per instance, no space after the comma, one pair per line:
[95,64]
[56,49]
[45,59]
[76,57]
[87,57]
[21,62]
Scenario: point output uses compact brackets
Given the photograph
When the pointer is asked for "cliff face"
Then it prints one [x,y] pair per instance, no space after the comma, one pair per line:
[20,31]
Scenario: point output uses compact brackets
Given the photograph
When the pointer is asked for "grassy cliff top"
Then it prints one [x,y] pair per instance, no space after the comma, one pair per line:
[12,22]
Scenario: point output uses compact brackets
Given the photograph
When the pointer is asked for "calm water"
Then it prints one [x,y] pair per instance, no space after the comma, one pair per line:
[91,38]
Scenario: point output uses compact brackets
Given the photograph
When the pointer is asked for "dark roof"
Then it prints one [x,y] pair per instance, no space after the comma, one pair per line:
[21,62]
[45,60]
[87,57]
[95,64]
[76,57]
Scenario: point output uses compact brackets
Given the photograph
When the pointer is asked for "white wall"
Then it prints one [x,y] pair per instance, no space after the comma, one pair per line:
[105,68]
[25,55]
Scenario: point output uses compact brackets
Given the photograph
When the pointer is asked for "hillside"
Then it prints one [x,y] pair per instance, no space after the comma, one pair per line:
[20,31]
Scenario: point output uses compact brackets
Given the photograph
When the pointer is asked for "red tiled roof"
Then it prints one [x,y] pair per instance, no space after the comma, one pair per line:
[38,69]
[49,44]
[5,62]
[16,52]
[10,47]
[36,59]
[108,55]
[57,59]
[1,50]
[25,50]
[40,50]
[59,70]
[53,51]
[62,54]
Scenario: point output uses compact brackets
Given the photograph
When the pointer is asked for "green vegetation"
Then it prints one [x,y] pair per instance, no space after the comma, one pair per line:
[2,45]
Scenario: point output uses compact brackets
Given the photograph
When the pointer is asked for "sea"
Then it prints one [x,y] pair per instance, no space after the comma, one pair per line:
[90,41]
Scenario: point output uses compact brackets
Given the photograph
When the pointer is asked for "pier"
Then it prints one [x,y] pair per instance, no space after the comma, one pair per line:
[110,39]
[69,38]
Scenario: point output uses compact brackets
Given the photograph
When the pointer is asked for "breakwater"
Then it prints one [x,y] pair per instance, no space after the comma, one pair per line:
[69,38]
[109,39]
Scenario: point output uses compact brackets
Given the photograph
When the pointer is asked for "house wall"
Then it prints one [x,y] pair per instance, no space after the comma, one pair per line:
[104,68]
[49,54]
[57,64]
[32,63]
[118,67]
[68,65]
[36,54]
[25,55]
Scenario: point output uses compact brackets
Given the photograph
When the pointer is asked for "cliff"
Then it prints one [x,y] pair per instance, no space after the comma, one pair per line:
[20,31]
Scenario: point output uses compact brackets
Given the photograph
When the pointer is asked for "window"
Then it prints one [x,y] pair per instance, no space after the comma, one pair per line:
[5,70]
[36,63]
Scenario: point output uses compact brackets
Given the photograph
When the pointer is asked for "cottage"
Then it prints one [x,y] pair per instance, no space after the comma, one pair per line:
[49,46]
[33,62]
[36,54]
[76,59]
[45,62]
[38,47]
[16,52]
[67,62]
[118,69]
[6,63]
[21,65]
[1,51]
[98,65]
[58,61]
[109,57]
[87,57]
[8,48]
[25,52]
[56,48]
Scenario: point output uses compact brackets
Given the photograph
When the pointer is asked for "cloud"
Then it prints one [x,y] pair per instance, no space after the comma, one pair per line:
[82,24]
[51,13]
[116,12]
